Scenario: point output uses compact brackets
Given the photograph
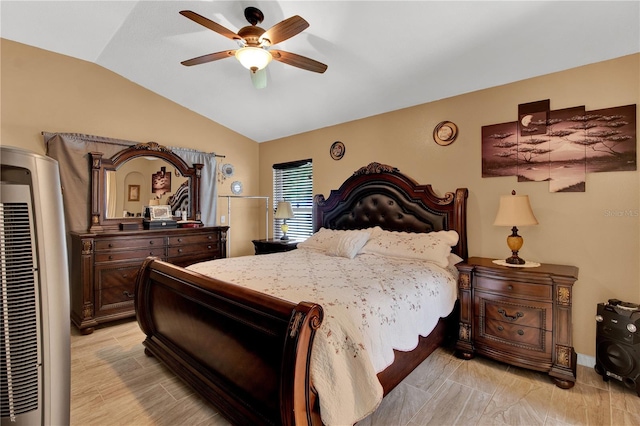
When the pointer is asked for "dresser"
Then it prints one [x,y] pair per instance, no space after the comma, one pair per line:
[521,316]
[104,266]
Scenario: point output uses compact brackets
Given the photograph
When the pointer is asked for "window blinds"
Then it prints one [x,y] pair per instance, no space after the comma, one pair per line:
[293,182]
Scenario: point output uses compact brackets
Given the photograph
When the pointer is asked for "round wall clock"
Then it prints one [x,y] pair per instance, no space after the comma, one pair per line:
[445,133]
[236,187]
[337,150]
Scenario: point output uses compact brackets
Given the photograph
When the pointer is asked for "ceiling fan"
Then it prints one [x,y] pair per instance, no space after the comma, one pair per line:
[255,43]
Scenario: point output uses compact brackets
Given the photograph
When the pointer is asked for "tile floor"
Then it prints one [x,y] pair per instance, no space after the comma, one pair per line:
[114,383]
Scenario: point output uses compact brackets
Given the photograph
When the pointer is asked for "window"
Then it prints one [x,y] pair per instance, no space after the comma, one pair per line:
[293,182]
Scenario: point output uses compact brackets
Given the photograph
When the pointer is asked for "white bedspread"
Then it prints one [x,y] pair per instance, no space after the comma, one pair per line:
[372,305]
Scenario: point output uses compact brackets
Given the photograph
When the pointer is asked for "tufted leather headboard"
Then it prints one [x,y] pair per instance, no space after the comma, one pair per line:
[379,195]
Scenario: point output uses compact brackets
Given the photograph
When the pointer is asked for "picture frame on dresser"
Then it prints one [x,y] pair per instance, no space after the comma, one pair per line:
[134,193]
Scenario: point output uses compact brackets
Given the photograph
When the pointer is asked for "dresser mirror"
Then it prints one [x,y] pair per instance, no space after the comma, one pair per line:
[142,175]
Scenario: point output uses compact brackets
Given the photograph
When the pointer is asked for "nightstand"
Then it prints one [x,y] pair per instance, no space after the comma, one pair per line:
[274,246]
[521,316]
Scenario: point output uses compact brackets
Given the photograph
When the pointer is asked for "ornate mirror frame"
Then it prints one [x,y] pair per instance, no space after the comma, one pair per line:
[100,166]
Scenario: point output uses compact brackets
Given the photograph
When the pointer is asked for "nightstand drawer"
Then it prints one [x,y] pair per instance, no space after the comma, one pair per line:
[513,288]
[525,313]
[517,336]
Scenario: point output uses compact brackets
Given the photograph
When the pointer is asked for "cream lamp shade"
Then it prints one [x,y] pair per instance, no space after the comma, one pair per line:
[515,210]
[253,58]
[284,212]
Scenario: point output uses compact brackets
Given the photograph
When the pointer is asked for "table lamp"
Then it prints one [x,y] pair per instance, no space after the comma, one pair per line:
[284,212]
[515,210]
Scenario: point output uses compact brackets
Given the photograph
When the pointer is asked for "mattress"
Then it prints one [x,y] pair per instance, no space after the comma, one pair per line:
[372,305]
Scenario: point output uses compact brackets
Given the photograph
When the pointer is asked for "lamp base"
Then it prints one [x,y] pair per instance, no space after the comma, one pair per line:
[515,241]
[515,260]
[284,228]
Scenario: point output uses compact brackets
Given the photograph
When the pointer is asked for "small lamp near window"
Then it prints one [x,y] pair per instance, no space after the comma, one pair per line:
[284,212]
[515,210]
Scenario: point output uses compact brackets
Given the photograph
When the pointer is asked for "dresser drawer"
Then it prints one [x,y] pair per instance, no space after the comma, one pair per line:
[129,254]
[525,313]
[113,276]
[193,239]
[115,297]
[128,243]
[513,288]
[516,336]
[201,250]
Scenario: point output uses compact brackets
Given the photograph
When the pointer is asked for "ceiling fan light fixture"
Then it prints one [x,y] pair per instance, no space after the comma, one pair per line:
[253,58]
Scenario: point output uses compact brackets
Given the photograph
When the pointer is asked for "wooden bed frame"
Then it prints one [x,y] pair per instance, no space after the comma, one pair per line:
[248,353]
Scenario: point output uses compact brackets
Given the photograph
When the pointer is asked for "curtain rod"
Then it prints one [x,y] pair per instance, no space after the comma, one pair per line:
[197,150]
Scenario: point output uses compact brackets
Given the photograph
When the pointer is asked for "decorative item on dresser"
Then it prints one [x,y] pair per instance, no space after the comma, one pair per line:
[521,316]
[105,260]
[274,246]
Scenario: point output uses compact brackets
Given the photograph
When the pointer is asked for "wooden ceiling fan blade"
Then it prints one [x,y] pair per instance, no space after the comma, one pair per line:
[284,30]
[208,23]
[298,61]
[209,58]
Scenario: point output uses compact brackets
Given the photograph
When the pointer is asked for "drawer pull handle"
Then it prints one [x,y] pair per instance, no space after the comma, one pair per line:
[521,332]
[210,237]
[510,317]
[500,328]
[129,295]
[179,240]
[179,250]
[151,242]
[110,245]
[509,287]
[209,247]
[110,257]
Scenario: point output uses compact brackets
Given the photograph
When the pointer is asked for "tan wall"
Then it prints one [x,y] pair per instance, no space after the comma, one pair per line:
[44,91]
[574,228]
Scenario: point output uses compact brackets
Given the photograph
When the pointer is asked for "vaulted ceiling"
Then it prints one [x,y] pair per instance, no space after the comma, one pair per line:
[381,56]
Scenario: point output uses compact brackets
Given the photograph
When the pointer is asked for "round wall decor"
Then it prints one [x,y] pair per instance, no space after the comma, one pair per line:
[337,150]
[445,133]
[236,187]
[226,170]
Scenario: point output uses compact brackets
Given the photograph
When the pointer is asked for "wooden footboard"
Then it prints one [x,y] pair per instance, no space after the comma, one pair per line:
[246,352]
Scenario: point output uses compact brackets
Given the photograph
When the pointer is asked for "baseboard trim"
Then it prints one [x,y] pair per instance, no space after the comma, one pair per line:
[586,360]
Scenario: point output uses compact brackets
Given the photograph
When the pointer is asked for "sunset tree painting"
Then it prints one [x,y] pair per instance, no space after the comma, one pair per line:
[563,147]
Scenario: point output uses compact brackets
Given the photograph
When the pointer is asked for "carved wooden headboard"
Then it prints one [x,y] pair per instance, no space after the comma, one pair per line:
[379,195]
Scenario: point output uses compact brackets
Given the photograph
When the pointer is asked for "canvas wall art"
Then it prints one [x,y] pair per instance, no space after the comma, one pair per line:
[560,146]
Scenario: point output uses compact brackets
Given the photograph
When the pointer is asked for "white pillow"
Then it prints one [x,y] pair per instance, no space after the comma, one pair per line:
[348,244]
[454,259]
[433,246]
[321,240]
